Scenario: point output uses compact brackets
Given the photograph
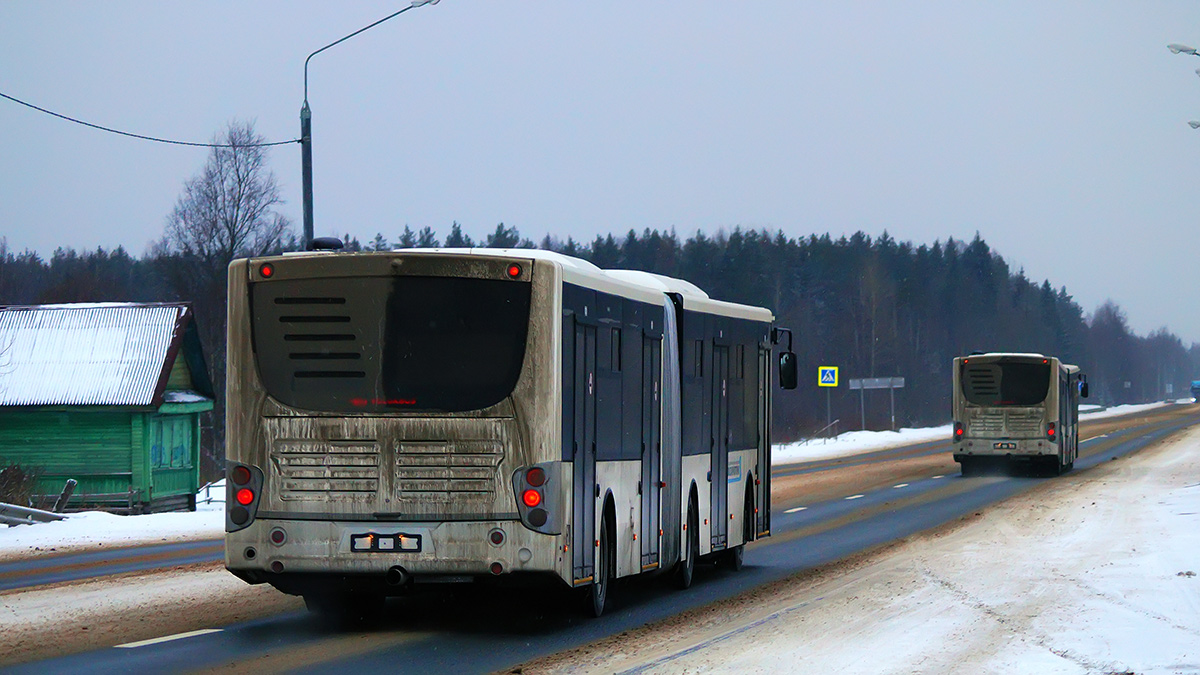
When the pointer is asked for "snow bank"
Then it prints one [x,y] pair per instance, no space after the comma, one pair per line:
[95,529]
[858,442]
[855,443]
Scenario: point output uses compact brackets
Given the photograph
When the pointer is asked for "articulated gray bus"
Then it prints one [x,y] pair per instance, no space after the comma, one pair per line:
[476,415]
[1021,408]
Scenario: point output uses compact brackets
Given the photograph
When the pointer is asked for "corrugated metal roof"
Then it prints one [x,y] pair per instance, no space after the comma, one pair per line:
[85,354]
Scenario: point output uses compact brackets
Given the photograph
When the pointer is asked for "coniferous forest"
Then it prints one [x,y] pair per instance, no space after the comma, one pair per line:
[874,307]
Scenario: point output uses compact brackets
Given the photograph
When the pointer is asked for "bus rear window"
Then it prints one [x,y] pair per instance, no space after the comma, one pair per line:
[391,344]
[1017,383]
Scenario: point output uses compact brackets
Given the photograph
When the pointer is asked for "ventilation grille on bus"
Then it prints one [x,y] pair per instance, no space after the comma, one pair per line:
[983,381]
[445,471]
[1006,423]
[325,471]
[319,338]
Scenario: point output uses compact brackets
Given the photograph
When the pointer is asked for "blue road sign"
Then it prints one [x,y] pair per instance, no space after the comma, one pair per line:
[827,376]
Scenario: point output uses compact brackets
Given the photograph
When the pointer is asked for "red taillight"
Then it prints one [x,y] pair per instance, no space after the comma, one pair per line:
[535,477]
[245,496]
[240,475]
[531,498]
[1050,430]
[958,430]
[514,271]
[267,270]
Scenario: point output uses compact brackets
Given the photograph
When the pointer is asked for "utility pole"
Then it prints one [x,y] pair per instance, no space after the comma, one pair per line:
[306,169]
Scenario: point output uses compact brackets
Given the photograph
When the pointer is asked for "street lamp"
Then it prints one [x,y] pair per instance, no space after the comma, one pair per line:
[306,122]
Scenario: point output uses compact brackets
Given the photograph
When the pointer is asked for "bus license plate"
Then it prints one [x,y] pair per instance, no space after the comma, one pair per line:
[370,542]
[1004,446]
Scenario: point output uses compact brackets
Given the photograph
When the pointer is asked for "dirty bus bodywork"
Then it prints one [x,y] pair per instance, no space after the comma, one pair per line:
[1018,408]
[466,415]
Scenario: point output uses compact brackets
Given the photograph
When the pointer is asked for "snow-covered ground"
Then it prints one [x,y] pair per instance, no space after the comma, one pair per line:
[857,442]
[95,529]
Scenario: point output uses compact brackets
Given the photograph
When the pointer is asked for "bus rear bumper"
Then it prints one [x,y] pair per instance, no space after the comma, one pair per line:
[281,551]
[1020,449]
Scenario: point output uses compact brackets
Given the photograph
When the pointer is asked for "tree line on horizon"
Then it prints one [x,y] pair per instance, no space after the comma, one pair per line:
[873,306]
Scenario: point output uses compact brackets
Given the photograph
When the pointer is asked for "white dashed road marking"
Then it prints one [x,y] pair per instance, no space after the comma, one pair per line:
[900,485]
[855,497]
[798,508]
[168,638]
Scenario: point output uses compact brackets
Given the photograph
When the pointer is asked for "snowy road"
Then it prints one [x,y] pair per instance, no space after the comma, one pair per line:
[473,631]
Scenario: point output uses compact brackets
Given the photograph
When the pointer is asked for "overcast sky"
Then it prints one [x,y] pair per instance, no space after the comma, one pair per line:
[1058,130]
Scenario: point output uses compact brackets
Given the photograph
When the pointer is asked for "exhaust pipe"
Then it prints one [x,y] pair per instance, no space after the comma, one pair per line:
[396,576]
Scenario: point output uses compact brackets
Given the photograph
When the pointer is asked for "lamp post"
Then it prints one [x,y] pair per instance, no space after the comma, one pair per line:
[306,122]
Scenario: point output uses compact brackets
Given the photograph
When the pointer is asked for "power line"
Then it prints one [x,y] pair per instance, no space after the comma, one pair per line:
[145,138]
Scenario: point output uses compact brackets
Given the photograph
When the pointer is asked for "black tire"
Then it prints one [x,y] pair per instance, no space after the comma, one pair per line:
[1054,466]
[597,592]
[685,571]
[969,466]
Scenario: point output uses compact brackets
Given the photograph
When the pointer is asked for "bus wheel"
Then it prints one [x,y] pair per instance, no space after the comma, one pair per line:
[969,466]
[598,592]
[1054,467]
[686,570]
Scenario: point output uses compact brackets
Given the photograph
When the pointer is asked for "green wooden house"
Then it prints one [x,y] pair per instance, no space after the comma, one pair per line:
[109,394]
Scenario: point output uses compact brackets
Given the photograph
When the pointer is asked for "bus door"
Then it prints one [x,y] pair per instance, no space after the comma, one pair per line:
[720,447]
[584,446]
[762,492]
[651,448]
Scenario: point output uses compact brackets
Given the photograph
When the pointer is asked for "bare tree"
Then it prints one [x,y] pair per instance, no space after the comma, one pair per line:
[226,211]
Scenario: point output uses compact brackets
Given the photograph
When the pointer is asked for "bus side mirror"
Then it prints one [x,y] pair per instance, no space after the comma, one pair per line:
[1083,389]
[787,370]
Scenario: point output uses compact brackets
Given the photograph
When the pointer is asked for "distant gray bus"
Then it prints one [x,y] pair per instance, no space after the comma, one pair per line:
[1022,408]
[482,415]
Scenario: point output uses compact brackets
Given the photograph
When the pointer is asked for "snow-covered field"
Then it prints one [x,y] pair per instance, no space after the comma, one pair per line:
[96,529]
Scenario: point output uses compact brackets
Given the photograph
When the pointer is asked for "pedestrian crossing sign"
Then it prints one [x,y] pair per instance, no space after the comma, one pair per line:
[827,376]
